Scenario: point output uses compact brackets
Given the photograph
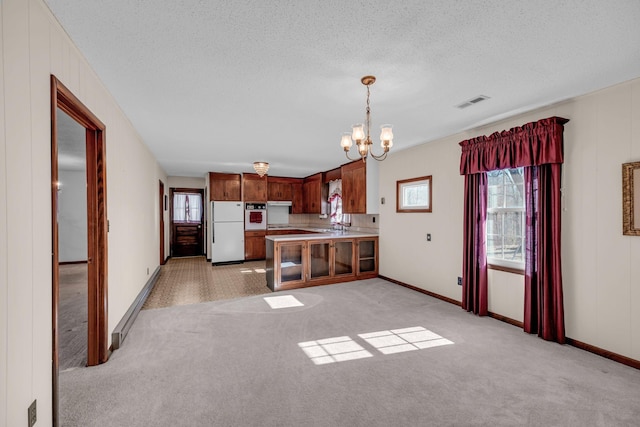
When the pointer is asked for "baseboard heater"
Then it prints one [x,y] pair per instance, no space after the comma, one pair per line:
[122,329]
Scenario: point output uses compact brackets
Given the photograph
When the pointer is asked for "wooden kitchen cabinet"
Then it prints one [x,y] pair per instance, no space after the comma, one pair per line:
[354,187]
[291,264]
[224,186]
[367,257]
[315,194]
[311,262]
[360,187]
[297,201]
[254,187]
[330,259]
[254,245]
[279,189]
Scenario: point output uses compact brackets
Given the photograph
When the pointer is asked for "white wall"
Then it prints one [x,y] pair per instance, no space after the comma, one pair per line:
[186,182]
[33,46]
[600,265]
[72,216]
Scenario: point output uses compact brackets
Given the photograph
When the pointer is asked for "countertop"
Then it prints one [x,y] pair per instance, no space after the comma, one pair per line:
[318,233]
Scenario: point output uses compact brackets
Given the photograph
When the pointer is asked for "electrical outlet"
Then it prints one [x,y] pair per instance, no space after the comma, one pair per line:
[428,237]
[32,415]
[147,271]
[459,281]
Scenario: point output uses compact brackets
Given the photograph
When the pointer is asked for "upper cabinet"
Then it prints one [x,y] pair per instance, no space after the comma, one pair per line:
[297,201]
[280,189]
[360,187]
[315,194]
[254,187]
[224,186]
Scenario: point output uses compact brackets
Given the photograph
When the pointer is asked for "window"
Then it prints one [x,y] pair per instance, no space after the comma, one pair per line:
[414,195]
[187,207]
[506,218]
[335,201]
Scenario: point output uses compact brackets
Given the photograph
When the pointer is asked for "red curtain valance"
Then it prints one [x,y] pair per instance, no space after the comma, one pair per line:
[532,144]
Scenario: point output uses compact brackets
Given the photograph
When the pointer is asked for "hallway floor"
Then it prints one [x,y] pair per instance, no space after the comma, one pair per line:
[193,280]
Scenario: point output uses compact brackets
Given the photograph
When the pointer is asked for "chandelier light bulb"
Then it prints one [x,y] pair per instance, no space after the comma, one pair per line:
[386,136]
[345,142]
[358,132]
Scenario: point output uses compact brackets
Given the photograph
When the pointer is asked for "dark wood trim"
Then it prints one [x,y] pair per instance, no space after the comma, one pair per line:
[604,353]
[72,262]
[97,228]
[162,202]
[575,343]
[505,269]
[423,291]
[122,329]
[506,319]
[55,274]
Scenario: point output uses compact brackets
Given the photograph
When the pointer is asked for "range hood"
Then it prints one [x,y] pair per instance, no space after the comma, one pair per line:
[278,203]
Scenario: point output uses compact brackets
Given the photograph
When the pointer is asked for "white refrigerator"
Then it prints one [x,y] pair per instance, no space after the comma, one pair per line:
[227,239]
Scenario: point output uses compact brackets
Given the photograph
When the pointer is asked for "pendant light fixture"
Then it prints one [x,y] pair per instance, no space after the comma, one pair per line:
[261,168]
[362,140]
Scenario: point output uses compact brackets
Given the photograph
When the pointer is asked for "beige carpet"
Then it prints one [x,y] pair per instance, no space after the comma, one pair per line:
[193,280]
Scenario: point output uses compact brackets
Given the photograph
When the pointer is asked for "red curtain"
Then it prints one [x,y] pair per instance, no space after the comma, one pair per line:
[474,276]
[543,299]
[538,147]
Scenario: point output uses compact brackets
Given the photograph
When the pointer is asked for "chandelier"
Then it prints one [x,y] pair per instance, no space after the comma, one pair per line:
[363,142]
[261,168]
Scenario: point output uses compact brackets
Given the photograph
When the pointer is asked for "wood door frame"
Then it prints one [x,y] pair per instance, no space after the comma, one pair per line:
[97,229]
[162,205]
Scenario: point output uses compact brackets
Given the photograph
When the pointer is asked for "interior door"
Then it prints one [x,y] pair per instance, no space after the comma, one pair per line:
[187,231]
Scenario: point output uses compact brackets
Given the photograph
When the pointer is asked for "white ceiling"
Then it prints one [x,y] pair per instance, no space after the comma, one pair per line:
[217,85]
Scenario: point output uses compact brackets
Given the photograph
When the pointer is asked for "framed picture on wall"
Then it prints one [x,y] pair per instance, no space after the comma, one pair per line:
[414,195]
[631,199]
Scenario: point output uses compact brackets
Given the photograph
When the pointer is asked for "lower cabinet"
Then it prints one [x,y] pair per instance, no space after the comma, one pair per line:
[254,245]
[301,263]
[367,264]
[330,259]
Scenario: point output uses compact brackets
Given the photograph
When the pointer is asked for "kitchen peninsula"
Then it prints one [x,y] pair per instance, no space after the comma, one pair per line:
[320,258]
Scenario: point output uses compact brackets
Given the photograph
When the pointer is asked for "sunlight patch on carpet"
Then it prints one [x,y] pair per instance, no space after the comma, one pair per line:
[331,350]
[401,340]
[284,301]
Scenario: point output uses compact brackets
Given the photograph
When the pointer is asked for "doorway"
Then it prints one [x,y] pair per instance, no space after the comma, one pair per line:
[163,207]
[96,229]
[187,237]
[72,243]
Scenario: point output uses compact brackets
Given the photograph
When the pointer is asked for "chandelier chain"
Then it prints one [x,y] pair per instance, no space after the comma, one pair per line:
[368,118]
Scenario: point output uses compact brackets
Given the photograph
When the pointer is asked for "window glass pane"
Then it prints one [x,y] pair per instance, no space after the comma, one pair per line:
[513,188]
[505,216]
[416,195]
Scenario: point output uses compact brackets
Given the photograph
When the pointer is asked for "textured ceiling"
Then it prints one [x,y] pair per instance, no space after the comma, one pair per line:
[216,85]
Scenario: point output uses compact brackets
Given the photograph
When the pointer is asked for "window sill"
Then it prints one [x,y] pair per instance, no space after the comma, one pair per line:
[513,270]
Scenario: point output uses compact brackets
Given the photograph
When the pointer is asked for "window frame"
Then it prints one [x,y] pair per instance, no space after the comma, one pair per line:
[502,264]
[401,207]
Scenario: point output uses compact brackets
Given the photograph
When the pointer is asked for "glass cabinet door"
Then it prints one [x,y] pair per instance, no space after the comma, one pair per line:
[319,251]
[291,265]
[343,257]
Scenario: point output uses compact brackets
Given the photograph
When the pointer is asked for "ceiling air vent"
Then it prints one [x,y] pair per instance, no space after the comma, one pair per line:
[472,101]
